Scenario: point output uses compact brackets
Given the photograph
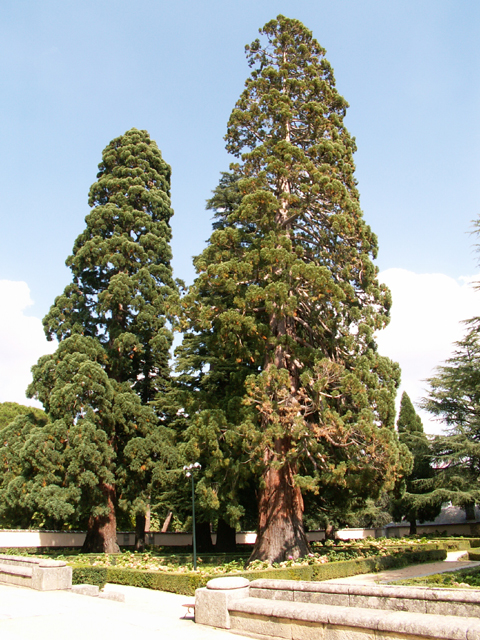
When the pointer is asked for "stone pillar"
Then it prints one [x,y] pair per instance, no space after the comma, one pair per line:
[211,602]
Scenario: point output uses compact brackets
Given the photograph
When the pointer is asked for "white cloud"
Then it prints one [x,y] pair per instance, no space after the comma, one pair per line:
[22,342]
[426,319]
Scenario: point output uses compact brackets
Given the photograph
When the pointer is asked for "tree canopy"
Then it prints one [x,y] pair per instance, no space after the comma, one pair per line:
[417,497]
[97,450]
[454,399]
[10,410]
[283,312]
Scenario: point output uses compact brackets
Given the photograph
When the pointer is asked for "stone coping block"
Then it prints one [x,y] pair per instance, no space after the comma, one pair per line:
[116,596]
[378,591]
[12,570]
[41,562]
[228,583]
[91,590]
[213,601]
[399,623]
[37,573]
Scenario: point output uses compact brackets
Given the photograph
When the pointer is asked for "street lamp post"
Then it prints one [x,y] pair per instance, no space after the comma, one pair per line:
[189,469]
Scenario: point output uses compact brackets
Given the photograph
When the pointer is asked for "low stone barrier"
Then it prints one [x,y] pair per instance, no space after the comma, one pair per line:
[36,573]
[308,611]
[437,601]
[306,621]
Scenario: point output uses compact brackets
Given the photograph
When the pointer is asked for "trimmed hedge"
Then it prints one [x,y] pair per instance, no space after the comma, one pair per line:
[458,544]
[186,583]
[182,583]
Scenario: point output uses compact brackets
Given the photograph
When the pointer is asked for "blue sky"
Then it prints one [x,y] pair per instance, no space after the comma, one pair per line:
[75,75]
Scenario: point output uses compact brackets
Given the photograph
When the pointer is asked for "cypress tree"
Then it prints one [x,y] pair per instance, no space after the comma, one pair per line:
[287,299]
[418,499]
[112,360]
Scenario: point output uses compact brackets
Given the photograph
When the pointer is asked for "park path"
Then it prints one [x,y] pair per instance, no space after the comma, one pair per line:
[454,562]
[44,615]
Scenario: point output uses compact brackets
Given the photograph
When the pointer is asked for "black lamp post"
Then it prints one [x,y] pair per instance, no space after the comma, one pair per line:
[189,469]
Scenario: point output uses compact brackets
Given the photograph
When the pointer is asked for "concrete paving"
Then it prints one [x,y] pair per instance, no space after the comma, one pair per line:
[51,615]
[41,615]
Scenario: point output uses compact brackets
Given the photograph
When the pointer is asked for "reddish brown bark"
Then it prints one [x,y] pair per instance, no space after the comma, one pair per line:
[280,533]
[102,530]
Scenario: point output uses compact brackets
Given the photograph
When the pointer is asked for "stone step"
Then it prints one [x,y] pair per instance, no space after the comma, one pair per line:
[437,601]
[14,570]
[307,621]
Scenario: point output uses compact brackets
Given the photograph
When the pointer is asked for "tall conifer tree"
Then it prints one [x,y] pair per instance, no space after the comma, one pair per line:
[112,360]
[454,399]
[419,499]
[286,301]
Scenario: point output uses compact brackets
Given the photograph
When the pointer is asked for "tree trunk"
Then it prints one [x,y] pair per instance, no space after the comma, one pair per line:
[469,509]
[280,533]
[330,531]
[413,527]
[148,516]
[226,537]
[167,522]
[102,530]
[204,537]
[140,522]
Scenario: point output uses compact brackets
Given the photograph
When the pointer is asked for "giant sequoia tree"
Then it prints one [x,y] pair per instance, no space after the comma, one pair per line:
[112,360]
[286,301]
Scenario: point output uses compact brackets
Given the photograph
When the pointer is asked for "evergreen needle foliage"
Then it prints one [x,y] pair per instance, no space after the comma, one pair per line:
[281,360]
[98,450]
[417,497]
[454,399]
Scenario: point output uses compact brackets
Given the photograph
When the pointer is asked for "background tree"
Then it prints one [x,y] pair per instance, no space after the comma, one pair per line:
[57,471]
[417,496]
[10,410]
[287,292]
[14,419]
[212,387]
[454,399]
[111,322]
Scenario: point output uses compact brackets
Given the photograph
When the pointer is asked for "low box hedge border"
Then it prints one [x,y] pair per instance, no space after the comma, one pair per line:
[187,583]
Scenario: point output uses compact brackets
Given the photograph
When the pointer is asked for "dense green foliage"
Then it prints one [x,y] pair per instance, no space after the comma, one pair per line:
[416,495]
[309,569]
[281,395]
[11,410]
[99,449]
[15,420]
[284,308]
[454,399]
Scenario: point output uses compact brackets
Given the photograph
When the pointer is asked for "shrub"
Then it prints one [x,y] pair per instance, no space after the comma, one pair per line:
[186,583]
